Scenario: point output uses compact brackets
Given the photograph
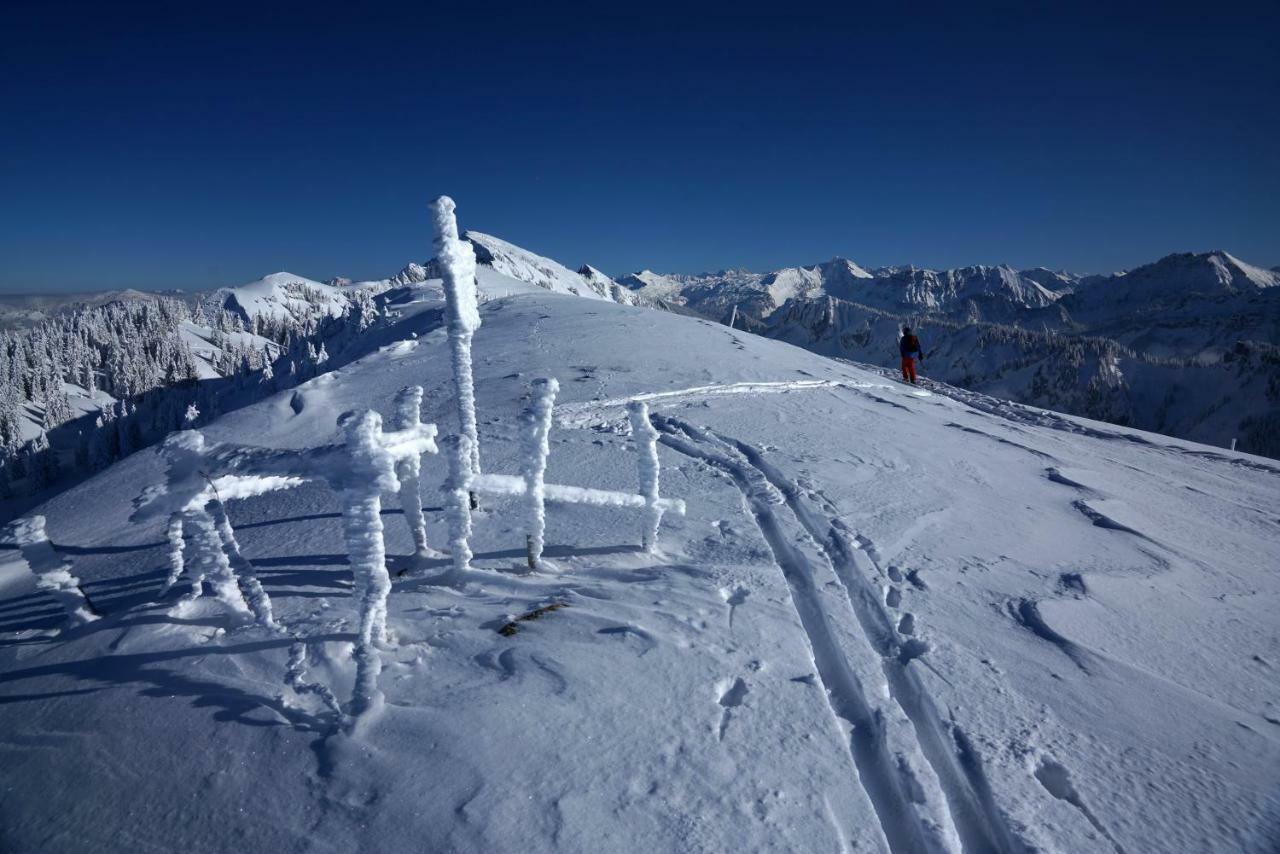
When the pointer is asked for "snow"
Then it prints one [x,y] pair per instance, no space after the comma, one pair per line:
[278,295]
[52,573]
[887,621]
[457,260]
[516,263]
[646,439]
[536,423]
[409,469]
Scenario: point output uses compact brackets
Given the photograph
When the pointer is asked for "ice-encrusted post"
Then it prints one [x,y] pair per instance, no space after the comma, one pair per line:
[258,600]
[458,502]
[52,571]
[457,261]
[536,424]
[369,472]
[176,544]
[646,439]
[210,562]
[409,469]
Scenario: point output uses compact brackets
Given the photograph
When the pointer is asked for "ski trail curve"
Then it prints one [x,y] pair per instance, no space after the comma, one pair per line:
[977,819]
[909,822]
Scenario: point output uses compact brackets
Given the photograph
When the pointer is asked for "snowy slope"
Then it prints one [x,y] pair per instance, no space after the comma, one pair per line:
[277,295]
[891,620]
[512,261]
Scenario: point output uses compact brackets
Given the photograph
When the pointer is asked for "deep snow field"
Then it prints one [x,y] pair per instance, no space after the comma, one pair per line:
[893,619]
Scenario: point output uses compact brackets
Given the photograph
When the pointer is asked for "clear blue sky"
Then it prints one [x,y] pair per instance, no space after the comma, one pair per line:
[198,144]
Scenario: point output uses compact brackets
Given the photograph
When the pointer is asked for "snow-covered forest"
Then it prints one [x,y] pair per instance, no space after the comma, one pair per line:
[90,386]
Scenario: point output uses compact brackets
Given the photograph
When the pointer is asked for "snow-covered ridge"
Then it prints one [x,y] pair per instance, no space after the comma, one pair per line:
[892,621]
[277,296]
[992,291]
[513,262]
[1179,276]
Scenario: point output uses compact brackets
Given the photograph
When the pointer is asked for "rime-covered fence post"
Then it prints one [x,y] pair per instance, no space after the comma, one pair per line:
[258,600]
[536,427]
[646,439]
[210,562]
[52,571]
[369,471]
[176,544]
[458,502]
[409,469]
[458,270]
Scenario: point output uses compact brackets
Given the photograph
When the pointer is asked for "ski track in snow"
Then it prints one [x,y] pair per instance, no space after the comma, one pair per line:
[978,821]
[586,412]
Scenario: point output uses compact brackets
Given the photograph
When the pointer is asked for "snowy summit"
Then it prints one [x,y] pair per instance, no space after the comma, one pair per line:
[532,568]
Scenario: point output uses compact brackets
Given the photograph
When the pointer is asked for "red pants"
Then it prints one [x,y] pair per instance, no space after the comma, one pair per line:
[908,369]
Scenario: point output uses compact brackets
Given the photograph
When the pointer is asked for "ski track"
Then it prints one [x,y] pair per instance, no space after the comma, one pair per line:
[576,414]
[969,804]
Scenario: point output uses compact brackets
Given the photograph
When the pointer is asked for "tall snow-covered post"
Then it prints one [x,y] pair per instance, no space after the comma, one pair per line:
[646,439]
[458,502]
[458,268]
[52,572]
[409,469]
[536,428]
[369,472]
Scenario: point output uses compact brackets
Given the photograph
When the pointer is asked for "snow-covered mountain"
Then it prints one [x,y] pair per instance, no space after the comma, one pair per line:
[277,296]
[522,265]
[982,292]
[893,619]
[1184,346]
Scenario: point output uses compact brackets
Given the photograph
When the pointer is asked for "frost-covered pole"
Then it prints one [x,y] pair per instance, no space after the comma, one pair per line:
[409,469]
[209,561]
[52,571]
[646,438]
[458,268]
[368,473]
[176,544]
[259,601]
[537,427]
[458,502]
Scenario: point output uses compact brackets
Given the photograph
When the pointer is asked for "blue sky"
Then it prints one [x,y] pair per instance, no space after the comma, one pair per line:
[194,145]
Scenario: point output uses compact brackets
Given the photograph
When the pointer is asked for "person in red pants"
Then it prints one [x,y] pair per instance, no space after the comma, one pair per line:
[909,347]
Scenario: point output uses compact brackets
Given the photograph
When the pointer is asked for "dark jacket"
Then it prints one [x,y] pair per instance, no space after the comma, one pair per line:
[910,344]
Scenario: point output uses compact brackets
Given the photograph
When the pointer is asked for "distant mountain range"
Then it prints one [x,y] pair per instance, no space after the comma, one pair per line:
[1184,346]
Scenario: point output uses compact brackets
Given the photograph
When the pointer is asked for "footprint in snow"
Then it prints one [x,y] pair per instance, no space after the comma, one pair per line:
[893,597]
[731,697]
[631,633]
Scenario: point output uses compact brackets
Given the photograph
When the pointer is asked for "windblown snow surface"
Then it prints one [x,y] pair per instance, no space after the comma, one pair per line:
[893,619]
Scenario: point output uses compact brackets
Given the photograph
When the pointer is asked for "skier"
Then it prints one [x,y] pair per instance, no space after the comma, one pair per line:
[909,347]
